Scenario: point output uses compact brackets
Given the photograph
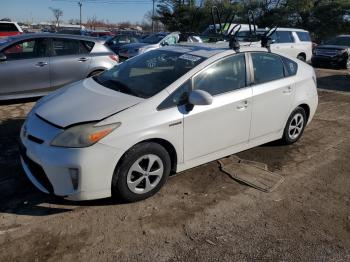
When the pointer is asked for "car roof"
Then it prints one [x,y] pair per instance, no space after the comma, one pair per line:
[53,35]
[291,29]
[207,49]
[8,22]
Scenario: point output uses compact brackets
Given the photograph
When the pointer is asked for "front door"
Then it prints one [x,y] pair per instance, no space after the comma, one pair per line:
[26,69]
[226,122]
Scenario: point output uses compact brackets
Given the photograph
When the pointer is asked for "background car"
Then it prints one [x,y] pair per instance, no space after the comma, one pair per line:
[116,42]
[124,131]
[101,34]
[148,43]
[334,52]
[34,64]
[9,29]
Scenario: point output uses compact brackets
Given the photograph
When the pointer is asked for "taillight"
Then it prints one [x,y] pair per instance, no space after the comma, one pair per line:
[114,58]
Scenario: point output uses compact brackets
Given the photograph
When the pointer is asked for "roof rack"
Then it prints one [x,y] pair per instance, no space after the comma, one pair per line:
[224,33]
[266,39]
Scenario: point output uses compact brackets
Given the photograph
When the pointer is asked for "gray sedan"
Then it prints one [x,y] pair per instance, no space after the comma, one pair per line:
[35,64]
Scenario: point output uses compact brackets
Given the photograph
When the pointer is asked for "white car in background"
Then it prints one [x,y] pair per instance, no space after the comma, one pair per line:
[289,41]
[123,132]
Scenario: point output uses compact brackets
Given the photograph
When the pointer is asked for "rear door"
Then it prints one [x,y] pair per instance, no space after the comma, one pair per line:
[26,69]
[284,42]
[272,94]
[69,62]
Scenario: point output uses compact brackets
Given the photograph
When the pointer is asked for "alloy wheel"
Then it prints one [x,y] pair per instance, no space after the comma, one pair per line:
[145,174]
[296,126]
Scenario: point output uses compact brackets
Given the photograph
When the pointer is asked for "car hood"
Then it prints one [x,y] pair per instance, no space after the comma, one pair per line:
[83,101]
[336,47]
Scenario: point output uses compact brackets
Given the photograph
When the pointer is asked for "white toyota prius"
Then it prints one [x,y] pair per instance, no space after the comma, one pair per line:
[123,132]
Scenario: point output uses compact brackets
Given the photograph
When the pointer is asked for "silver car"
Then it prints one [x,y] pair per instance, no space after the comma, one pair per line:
[149,43]
[35,64]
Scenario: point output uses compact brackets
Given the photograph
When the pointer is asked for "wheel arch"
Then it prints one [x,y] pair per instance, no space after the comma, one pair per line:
[93,70]
[303,54]
[306,108]
[169,147]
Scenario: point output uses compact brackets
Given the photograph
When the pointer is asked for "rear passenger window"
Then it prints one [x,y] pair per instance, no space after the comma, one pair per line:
[283,37]
[88,45]
[64,47]
[8,27]
[291,66]
[304,36]
[267,67]
[227,75]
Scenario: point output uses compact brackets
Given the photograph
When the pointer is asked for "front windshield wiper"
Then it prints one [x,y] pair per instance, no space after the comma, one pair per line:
[119,86]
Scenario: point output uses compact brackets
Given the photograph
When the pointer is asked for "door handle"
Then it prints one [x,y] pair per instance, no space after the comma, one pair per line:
[41,64]
[83,59]
[242,106]
[288,90]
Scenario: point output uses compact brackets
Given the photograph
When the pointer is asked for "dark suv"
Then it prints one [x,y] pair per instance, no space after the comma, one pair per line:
[335,52]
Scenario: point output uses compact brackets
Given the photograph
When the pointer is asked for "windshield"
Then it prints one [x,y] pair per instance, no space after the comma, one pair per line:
[345,41]
[153,39]
[149,73]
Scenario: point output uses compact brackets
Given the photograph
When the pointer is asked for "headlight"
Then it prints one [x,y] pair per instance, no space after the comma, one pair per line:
[83,135]
[340,52]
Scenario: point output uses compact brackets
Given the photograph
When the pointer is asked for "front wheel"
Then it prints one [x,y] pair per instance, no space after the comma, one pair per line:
[347,63]
[295,126]
[143,171]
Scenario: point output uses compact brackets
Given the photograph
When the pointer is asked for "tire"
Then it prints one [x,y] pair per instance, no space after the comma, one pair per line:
[133,180]
[301,57]
[94,73]
[295,126]
[347,64]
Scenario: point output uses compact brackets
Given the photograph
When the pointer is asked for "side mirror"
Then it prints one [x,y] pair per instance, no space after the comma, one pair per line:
[164,43]
[3,57]
[200,98]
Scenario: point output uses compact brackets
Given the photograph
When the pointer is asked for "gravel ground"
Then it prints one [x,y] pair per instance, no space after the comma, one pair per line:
[201,214]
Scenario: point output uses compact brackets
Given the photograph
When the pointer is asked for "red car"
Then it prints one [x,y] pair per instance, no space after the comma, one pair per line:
[9,29]
[101,34]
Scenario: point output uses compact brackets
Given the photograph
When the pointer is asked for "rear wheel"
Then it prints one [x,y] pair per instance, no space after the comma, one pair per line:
[302,57]
[95,73]
[143,171]
[295,126]
[347,63]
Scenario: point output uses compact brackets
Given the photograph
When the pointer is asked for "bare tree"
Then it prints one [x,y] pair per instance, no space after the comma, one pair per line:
[57,13]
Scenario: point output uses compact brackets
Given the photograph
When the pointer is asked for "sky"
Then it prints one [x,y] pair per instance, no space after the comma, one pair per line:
[112,10]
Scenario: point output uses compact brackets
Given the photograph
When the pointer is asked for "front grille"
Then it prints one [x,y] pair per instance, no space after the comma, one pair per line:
[36,170]
[326,52]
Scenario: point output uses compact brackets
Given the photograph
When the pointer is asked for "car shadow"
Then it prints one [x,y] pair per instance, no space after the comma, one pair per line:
[338,82]
[18,101]
[17,194]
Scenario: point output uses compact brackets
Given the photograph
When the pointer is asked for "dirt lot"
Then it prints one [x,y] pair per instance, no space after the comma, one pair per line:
[201,214]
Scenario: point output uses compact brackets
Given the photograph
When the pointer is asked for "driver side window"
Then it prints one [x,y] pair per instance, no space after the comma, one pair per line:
[227,75]
[170,40]
[28,49]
